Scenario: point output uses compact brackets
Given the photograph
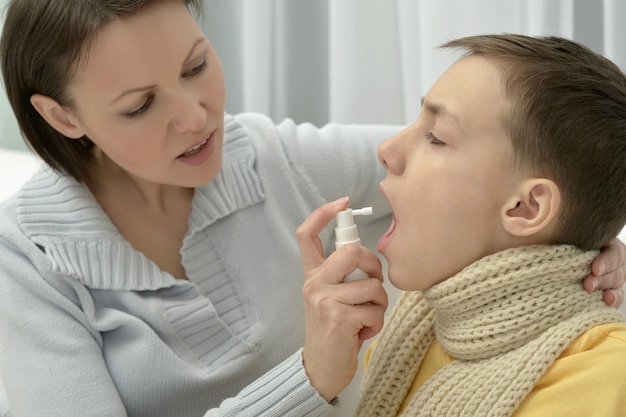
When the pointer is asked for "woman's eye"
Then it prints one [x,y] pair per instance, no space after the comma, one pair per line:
[433,139]
[142,109]
[196,70]
[146,105]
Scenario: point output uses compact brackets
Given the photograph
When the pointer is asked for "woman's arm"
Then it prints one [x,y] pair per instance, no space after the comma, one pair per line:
[51,362]
[339,160]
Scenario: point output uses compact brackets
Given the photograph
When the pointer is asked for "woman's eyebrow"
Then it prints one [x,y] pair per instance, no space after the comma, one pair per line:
[149,87]
[193,48]
[131,91]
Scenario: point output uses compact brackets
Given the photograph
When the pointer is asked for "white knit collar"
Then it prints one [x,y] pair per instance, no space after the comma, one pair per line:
[62,217]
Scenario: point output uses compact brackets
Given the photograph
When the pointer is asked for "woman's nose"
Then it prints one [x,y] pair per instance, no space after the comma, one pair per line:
[189,113]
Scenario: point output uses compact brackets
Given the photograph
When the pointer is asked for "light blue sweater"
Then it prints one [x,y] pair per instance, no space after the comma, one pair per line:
[91,327]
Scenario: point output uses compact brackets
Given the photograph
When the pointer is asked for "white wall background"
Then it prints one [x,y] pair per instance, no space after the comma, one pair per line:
[354,61]
[371,60]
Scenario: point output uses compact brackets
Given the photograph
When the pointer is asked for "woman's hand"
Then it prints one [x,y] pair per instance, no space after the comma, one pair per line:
[608,273]
[339,316]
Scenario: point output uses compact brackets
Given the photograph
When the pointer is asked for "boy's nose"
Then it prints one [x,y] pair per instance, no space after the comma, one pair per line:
[391,155]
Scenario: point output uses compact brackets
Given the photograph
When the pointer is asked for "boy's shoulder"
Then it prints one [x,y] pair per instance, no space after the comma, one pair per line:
[600,339]
[587,379]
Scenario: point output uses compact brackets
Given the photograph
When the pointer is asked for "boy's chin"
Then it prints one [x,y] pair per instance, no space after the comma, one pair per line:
[405,283]
[414,281]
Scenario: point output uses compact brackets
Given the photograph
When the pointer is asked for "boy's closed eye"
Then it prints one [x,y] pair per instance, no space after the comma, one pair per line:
[433,139]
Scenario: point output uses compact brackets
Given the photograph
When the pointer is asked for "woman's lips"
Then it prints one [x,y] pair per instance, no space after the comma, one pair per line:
[195,149]
[200,153]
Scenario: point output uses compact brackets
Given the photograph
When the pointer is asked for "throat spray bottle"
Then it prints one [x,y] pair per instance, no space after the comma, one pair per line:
[346,232]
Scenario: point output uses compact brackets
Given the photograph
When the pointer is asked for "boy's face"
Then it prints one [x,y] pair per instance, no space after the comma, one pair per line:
[447,179]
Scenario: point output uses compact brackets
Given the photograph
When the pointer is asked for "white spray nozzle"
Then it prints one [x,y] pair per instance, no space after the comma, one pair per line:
[365,211]
[344,218]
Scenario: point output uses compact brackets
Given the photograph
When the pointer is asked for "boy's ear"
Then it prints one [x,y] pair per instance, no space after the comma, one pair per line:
[57,116]
[532,207]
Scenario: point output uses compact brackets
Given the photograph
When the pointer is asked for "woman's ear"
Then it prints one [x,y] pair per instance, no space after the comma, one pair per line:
[57,116]
[532,208]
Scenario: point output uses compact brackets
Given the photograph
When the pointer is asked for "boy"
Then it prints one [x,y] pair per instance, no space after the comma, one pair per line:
[496,193]
[501,192]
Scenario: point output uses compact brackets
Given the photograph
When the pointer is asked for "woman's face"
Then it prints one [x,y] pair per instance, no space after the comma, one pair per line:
[151,97]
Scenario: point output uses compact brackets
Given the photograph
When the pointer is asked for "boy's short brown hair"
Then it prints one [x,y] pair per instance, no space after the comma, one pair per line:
[567,122]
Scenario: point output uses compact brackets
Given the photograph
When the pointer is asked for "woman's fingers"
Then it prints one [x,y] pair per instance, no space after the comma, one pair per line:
[614,298]
[346,259]
[338,317]
[308,232]
[608,273]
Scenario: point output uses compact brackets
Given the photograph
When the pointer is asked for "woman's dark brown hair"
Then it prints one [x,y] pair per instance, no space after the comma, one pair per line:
[43,44]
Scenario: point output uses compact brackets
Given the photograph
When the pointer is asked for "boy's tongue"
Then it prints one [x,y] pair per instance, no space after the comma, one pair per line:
[384,240]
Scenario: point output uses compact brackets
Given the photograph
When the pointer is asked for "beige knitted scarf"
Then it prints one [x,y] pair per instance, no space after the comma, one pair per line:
[505,318]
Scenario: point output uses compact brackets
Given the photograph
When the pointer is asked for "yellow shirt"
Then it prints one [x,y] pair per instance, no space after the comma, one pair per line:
[588,379]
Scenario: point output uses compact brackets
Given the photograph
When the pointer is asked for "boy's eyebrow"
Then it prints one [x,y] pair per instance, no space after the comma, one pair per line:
[150,87]
[439,110]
